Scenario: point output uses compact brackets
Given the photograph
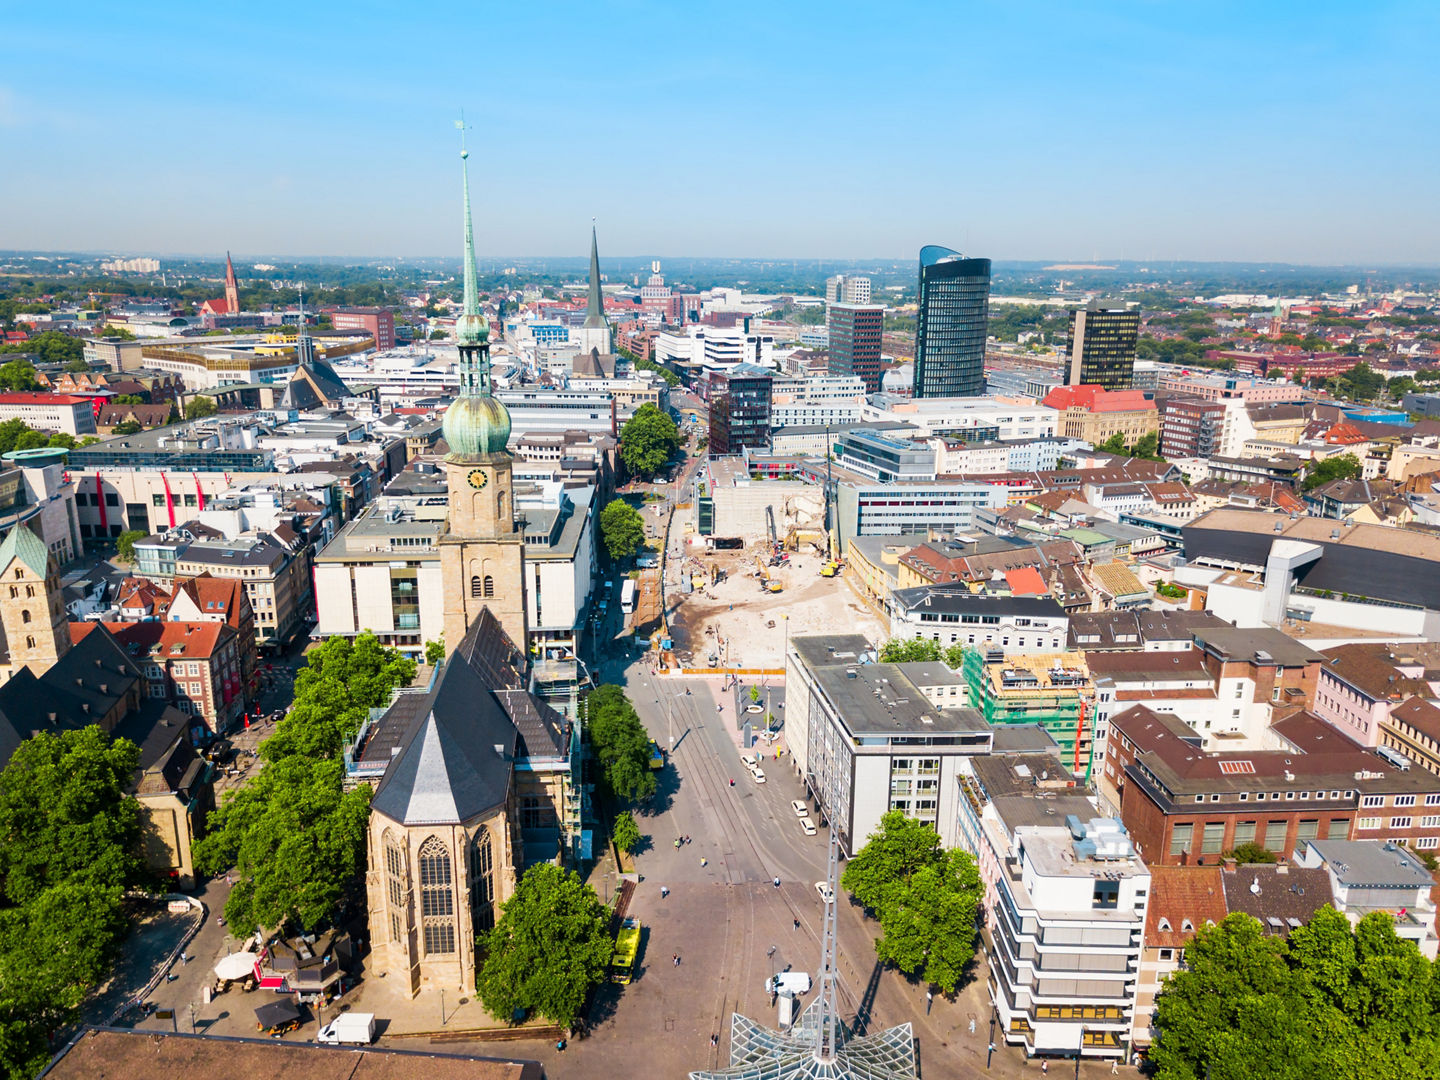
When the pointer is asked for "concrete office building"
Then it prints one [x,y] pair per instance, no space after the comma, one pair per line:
[739,410]
[856,331]
[875,741]
[1100,350]
[847,289]
[950,334]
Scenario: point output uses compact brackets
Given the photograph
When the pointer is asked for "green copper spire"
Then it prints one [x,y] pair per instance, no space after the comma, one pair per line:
[475,423]
[595,307]
[471,327]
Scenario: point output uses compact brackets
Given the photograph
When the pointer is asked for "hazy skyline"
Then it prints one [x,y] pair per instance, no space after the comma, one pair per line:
[1300,133]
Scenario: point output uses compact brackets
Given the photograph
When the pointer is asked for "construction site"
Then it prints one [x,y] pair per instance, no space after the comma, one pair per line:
[730,600]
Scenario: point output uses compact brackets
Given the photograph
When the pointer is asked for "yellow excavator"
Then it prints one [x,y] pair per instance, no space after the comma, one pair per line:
[768,583]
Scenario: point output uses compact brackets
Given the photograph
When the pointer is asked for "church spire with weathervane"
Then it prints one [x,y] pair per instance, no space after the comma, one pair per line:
[475,424]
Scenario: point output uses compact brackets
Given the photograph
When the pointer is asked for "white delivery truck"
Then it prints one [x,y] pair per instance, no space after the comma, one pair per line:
[357,1029]
[789,982]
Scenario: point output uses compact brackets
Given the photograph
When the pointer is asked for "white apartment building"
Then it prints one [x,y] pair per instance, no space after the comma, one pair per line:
[70,413]
[715,346]
[956,616]
[986,417]
[1064,936]
[873,508]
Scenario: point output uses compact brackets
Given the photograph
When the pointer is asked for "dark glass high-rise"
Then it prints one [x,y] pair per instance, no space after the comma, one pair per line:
[953,321]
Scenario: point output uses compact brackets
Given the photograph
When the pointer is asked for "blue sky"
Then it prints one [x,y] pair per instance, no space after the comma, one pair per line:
[1023,130]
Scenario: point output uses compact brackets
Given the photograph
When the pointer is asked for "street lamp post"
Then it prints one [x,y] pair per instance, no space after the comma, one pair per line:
[991,1052]
[442,1006]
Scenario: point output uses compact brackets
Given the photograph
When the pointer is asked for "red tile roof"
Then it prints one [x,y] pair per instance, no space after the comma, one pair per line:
[1097,399]
[1026,581]
[1182,896]
[31,398]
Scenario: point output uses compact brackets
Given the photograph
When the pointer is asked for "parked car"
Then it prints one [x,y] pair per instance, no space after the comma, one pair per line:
[807,826]
[801,810]
[759,774]
[827,894]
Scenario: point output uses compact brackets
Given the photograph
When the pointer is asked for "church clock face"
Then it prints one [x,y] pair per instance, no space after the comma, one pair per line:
[478,479]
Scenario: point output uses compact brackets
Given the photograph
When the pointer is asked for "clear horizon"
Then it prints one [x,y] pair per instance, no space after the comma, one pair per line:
[1297,134]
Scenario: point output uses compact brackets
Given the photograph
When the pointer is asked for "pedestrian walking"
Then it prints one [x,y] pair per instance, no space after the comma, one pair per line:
[1045,1066]
[732,781]
[664,892]
[797,924]
[714,1041]
[704,861]
[929,997]
[777,883]
[770,951]
[1115,1067]
[972,1025]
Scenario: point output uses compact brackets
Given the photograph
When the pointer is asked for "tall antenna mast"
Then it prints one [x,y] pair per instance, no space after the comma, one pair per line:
[826,1033]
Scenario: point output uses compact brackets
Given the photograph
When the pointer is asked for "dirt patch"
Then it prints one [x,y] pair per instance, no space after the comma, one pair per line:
[745,626]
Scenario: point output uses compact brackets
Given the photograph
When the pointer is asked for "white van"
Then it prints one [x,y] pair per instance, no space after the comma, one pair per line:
[789,982]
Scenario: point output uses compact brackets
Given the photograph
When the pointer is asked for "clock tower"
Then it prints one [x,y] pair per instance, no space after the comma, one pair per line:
[482,547]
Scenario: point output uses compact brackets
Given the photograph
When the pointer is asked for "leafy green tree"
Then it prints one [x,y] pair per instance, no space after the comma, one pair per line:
[1328,1003]
[434,652]
[342,680]
[622,529]
[647,440]
[296,838]
[549,949]
[127,427]
[911,651]
[63,440]
[115,332]
[621,744]
[926,899]
[1340,467]
[625,832]
[125,543]
[1147,446]
[70,840]
[18,375]
[1252,853]
[1115,444]
[50,347]
[127,399]
[65,815]
[199,407]
[30,439]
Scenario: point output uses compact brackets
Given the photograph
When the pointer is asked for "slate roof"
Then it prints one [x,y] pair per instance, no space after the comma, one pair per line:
[1284,893]
[456,759]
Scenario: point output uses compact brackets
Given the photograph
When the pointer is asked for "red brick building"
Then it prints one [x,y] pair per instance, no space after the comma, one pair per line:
[1185,807]
[379,323]
[195,666]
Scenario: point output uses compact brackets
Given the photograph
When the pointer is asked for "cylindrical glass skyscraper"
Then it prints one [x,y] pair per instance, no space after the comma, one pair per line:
[950,332]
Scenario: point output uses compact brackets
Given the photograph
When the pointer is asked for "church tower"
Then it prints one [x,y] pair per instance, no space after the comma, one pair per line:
[482,547]
[232,288]
[596,333]
[37,629]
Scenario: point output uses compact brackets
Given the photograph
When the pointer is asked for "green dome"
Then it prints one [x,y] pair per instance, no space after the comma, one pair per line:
[476,425]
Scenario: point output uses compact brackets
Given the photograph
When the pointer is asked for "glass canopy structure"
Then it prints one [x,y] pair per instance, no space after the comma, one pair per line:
[760,1053]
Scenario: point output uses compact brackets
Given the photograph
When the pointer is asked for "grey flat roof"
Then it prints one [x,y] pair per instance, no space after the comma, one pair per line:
[945,600]
[928,673]
[1017,811]
[1372,863]
[1244,643]
[880,700]
[820,650]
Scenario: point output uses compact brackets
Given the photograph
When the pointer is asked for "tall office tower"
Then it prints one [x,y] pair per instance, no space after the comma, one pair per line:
[847,289]
[1101,348]
[855,333]
[950,333]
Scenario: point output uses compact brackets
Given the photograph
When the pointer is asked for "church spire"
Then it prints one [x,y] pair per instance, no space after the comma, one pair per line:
[232,288]
[595,307]
[471,328]
[475,423]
